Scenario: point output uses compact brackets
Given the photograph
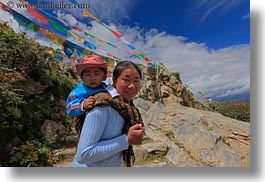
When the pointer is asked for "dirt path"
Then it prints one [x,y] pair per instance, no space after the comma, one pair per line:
[68,155]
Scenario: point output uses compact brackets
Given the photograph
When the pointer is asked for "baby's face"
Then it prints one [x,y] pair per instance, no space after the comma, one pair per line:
[93,77]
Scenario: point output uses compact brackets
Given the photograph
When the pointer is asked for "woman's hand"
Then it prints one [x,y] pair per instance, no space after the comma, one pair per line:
[89,103]
[135,134]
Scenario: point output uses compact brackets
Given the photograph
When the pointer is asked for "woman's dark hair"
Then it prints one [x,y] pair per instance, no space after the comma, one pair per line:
[121,66]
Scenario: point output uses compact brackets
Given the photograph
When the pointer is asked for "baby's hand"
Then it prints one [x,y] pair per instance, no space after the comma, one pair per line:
[89,103]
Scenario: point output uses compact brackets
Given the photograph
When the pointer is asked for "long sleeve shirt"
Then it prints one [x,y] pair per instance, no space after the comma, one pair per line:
[78,95]
[101,141]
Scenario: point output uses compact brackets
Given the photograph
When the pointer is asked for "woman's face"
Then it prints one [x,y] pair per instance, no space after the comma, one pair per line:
[128,83]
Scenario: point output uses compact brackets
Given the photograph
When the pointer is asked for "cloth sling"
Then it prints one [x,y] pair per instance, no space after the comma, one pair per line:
[129,113]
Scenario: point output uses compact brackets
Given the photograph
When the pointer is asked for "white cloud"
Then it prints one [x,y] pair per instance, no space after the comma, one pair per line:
[7,17]
[213,72]
[105,10]
[110,11]
[247,16]
[206,9]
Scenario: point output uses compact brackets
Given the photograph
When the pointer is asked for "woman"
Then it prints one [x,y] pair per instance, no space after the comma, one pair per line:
[104,135]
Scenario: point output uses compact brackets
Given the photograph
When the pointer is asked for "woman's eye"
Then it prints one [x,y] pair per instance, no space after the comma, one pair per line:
[126,80]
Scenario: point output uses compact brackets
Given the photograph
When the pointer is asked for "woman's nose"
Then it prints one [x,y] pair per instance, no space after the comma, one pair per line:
[131,85]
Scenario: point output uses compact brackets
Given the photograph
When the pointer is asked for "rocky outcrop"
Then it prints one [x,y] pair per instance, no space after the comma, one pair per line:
[179,136]
[159,84]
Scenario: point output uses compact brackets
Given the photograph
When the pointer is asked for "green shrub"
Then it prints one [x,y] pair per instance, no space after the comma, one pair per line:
[144,97]
[239,110]
[32,154]
[23,113]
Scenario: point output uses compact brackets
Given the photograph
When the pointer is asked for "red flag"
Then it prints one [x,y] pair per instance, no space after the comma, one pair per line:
[38,15]
[110,55]
[116,34]
[4,7]
[147,60]
[76,28]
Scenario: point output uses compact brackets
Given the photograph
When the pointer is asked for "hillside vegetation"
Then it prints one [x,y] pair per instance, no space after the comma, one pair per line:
[33,87]
[239,110]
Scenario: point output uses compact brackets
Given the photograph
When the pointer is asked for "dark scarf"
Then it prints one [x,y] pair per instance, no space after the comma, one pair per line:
[129,113]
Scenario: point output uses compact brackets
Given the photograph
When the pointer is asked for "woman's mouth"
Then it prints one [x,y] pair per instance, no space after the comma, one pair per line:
[130,92]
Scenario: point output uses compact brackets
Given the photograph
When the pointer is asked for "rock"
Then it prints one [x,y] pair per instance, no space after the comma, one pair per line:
[56,131]
[159,84]
[188,137]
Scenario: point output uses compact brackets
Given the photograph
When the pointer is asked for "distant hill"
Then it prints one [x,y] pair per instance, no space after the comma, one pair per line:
[239,97]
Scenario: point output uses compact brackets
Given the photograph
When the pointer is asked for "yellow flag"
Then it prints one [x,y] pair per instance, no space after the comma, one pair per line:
[101,40]
[50,52]
[87,13]
[78,37]
[110,63]
[136,52]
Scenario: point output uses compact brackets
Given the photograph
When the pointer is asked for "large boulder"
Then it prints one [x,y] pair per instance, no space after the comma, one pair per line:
[180,136]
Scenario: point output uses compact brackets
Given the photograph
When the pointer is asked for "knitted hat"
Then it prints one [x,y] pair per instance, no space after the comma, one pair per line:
[91,61]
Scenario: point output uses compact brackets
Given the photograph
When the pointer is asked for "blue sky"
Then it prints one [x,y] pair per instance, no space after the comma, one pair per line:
[218,23]
[207,41]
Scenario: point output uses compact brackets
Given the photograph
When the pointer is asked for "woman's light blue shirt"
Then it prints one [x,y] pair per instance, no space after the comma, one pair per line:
[101,141]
